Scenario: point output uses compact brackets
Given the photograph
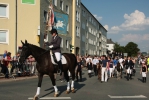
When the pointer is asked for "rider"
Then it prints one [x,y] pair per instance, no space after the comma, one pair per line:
[55,46]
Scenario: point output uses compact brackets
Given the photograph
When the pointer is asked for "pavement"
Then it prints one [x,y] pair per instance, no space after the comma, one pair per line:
[14,77]
[88,89]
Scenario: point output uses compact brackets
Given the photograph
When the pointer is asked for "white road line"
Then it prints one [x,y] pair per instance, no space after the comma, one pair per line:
[45,98]
[136,96]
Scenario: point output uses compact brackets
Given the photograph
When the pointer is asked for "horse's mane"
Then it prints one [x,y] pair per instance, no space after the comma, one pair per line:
[36,47]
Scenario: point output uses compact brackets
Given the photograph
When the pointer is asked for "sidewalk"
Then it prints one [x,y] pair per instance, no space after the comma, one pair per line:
[3,79]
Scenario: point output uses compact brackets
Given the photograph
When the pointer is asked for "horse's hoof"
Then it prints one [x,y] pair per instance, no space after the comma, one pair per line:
[55,95]
[73,90]
[67,92]
[35,98]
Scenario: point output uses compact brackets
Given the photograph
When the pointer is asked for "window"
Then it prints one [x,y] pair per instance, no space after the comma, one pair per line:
[62,43]
[83,38]
[4,10]
[67,27]
[4,36]
[45,16]
[61,5]
[67,44]
[89,18]
[86,23]
[78,3]
[67,9]
[55,2]
[77,16]
[83,25]
[86,34]
[77,31]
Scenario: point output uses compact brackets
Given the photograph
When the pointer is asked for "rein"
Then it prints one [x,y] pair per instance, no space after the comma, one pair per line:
[45,52]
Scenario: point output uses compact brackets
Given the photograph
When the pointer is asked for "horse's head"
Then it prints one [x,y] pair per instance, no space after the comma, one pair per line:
[25,51]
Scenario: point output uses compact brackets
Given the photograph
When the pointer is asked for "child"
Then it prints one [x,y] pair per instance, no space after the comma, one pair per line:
[89,67]
[144,72]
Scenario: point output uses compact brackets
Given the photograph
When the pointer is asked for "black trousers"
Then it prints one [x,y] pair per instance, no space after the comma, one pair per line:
[95,69]
[80,74]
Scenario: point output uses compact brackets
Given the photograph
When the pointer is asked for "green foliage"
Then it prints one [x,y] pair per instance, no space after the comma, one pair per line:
[131,48]
[119,48]
[71,47]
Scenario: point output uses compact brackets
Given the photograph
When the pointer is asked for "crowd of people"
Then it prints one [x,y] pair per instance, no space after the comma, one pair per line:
[10,64]
[106,67]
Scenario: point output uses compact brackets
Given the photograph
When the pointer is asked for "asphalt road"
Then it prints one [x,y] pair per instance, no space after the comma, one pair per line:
[89,89]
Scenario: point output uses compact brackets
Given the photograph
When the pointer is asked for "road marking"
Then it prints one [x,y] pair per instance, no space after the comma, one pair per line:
[45,98]
[136,96]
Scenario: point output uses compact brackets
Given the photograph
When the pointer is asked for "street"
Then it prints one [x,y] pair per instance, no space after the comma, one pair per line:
[89,89]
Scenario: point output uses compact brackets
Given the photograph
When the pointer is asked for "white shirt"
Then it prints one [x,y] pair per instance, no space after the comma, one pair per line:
[55,36]
[95,61]
[120,60]
[87,60]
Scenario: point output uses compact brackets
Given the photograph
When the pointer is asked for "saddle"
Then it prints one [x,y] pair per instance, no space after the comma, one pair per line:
[54,61]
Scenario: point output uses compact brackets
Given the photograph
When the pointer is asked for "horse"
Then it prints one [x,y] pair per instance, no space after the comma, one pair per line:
[99,72]
[119,71]
[44,66]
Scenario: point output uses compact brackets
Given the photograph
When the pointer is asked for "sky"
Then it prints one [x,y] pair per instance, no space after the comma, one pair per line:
[125,20]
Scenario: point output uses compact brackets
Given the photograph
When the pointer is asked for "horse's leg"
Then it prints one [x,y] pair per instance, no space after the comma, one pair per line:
[54,84]
[72,83]
[67,79]
[40,77]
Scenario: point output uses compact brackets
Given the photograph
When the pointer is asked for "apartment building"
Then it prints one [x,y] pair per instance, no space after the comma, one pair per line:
[19,20]
[26,19]
[93,34]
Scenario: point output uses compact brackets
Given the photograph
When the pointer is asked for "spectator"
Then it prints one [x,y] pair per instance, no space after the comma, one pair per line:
[7,65]
[89,67]
[5,54]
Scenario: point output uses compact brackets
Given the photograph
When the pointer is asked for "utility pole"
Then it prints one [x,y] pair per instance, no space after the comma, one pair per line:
[16,30]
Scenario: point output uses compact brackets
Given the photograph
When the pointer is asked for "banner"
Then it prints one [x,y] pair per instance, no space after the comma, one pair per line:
[61,22]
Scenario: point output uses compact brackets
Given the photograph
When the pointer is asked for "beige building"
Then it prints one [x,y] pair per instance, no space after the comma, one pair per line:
[19,20]
[25,19]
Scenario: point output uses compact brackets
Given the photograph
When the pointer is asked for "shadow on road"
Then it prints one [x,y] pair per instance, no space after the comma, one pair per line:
[139,79]
[64,87]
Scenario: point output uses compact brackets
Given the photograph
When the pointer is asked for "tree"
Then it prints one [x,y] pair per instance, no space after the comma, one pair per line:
[119,48]
[132,49]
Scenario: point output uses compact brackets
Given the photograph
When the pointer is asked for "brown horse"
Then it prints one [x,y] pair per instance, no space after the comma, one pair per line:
[99,72]
[45,66]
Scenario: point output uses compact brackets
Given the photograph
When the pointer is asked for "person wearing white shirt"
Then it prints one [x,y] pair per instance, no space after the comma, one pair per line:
[95,62]
[87,60]
[121,62]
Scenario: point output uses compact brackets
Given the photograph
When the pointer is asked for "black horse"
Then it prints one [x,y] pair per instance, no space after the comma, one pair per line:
[45,66]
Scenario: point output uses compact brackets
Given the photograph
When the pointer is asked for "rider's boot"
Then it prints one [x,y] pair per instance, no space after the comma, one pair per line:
[60,67]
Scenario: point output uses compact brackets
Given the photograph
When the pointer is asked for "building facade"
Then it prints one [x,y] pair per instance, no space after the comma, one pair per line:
[62,7]
[93,34]
[25,19]
[110,45]
[18,23]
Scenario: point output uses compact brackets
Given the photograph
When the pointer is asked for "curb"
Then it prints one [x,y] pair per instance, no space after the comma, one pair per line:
[17,79]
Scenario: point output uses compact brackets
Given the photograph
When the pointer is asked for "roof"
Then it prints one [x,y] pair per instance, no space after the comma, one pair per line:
[109,41]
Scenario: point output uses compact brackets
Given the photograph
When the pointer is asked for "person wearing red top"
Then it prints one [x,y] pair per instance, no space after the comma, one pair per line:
[7,60]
